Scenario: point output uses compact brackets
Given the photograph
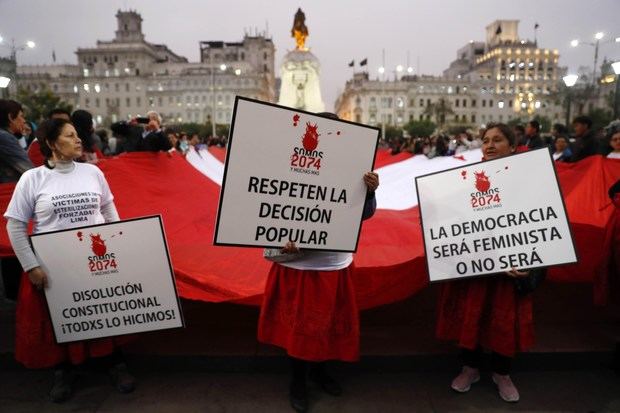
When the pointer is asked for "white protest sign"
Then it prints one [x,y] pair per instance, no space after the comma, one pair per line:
[492,216]
[109,279]
[293,176]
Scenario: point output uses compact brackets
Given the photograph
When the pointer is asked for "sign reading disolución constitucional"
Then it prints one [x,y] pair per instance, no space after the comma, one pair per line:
[493,216]
[109,279]
[293,176]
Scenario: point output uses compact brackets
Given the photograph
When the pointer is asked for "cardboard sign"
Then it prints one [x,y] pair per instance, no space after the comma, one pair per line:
[108,280]
[293,176]
[493,216]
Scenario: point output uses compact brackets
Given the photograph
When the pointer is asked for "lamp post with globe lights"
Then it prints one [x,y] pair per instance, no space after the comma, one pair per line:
[569,81]
[597,37]
[398,70]
[616,67]
[12,61]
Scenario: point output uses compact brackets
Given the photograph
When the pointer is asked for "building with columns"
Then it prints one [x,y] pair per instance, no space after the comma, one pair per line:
[498,80]
[128,76]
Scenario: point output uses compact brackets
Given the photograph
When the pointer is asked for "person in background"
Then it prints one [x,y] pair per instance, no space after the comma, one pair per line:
[562,151]
[13,158]
[532,137]
[62,177]
[13,163]
[614,145]
[153,138]
[586,141]
[83,123]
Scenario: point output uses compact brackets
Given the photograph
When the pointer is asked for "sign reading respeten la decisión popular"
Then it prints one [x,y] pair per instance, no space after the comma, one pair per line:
[494,216]
[108,280]
[293,176]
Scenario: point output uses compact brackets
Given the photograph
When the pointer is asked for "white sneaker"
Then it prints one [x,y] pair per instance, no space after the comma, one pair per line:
[507,390]
[462,383]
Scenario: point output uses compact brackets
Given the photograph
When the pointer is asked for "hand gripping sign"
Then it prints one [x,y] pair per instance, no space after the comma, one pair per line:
[493,216]
[293,176]
[108,280]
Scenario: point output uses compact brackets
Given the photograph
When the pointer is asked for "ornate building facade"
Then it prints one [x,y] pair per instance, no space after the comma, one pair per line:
[128,76]
[500,79]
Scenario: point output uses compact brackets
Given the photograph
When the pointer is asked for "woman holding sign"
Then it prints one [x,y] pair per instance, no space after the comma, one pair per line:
[492,313]
[36,197]
[309,309]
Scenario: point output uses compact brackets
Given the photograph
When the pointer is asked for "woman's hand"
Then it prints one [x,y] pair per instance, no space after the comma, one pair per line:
[290,248]
[371,179]
[514,273]
[38,278]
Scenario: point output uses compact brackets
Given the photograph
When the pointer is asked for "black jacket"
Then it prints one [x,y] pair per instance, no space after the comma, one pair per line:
[588,145]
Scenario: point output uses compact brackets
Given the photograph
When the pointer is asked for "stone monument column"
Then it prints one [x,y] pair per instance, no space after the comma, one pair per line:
[300,83]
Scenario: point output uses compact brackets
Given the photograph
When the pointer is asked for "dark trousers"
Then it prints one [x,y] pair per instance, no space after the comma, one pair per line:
[499,364]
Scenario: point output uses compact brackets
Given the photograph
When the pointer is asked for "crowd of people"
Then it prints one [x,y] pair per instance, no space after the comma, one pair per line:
[309,306]
[563,146]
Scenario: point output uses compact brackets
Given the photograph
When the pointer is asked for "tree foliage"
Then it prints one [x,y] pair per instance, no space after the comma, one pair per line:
[37,105]
[420,128]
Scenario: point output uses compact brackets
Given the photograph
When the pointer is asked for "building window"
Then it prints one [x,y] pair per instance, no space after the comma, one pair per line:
[138,101]
[491,103]
[86,102]
[97,102]
[473,103]
[484,103]
[473,118]
[456,102]
[464,103]
[128,102]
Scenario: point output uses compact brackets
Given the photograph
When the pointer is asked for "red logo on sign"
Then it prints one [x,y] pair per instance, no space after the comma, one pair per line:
[97,245]
[311,137]
[482,181]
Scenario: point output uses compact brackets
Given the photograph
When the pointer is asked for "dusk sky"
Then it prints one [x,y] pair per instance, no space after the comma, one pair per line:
[430,31]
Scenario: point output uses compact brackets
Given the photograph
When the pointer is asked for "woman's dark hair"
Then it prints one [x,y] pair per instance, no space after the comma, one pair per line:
[561,137]
[504,129]
[329,115]
[8,108]
[48,133]
[83,123]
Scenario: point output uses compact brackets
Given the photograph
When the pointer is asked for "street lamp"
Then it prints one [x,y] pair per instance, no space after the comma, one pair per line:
[16,48]
[222,68]
[569,81]
[616,67]
[381,71]
[4,83]
[598,36]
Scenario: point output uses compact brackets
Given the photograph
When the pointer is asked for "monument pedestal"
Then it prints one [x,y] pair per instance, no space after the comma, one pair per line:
[300,87]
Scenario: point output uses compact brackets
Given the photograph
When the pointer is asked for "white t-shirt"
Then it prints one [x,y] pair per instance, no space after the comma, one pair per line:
[56,200]
[613,155]
[321,261]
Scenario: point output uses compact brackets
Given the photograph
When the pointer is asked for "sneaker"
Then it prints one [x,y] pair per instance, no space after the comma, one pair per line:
[298,396]
[122,379]
[327,383]
[462,383]
[63,386]
[507,390]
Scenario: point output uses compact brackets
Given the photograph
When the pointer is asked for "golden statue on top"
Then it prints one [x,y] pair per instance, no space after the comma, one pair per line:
[299,30]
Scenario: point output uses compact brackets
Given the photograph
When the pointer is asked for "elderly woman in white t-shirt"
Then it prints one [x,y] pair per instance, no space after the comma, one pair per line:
[35,198]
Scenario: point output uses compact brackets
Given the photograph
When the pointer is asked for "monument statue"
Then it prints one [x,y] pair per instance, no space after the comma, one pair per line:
[300,88]
[299,30]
